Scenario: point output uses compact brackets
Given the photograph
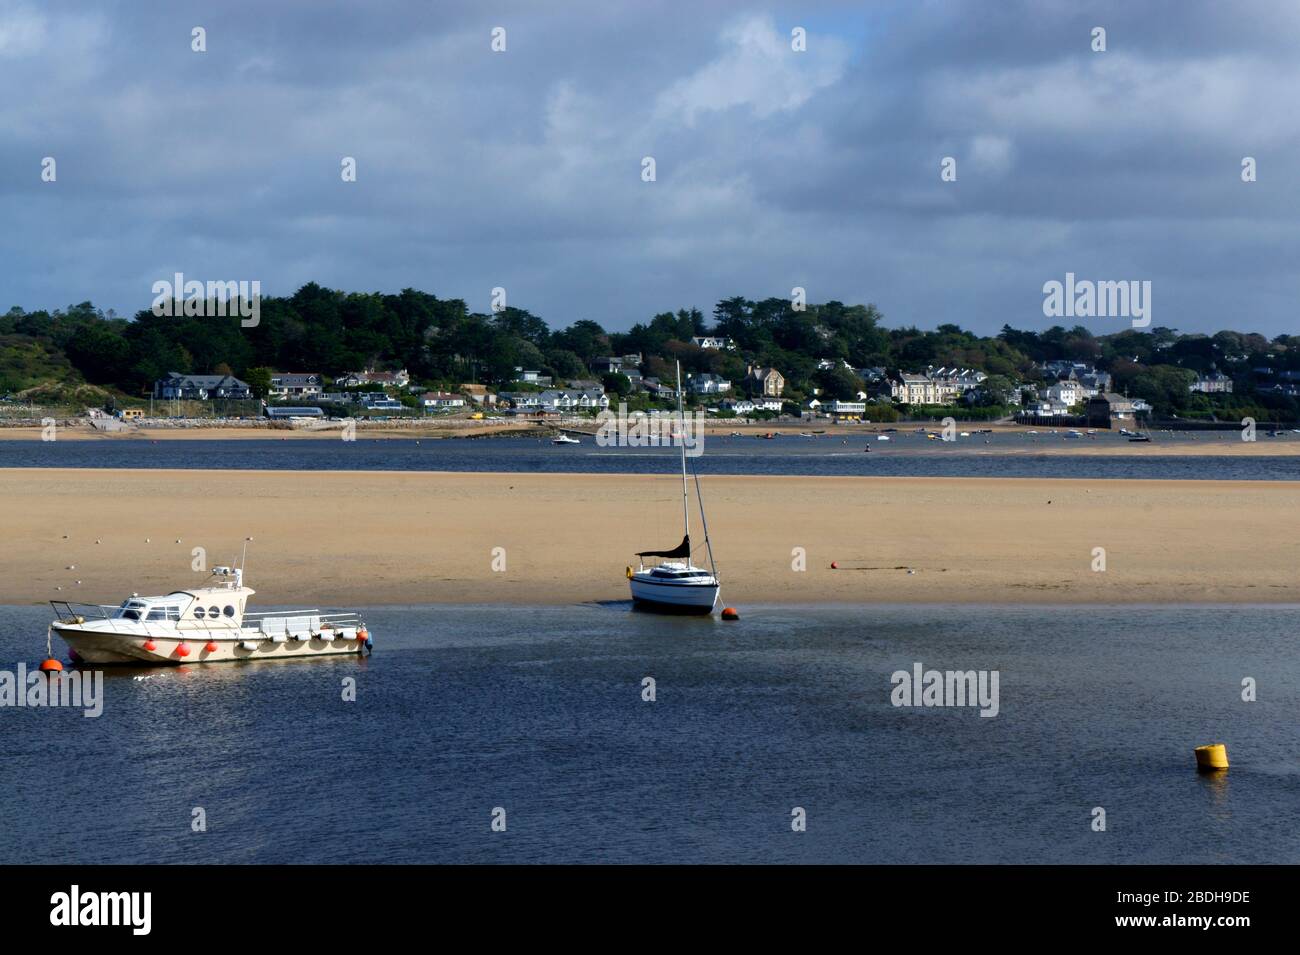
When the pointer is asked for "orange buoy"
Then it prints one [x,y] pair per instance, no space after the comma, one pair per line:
[150,645]
[730,613]
[362,636]
[51,666]
[183,650]
[211,646]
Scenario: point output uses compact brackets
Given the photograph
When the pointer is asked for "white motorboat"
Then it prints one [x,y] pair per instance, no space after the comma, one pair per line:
[565,439]
[207,624]
[676,585]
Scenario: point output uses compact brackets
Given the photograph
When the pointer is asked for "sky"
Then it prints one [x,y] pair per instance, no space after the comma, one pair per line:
[523,169]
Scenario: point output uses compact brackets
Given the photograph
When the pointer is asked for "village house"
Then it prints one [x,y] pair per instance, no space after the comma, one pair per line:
[741,406]
[658,389]
[1108,407]
[1215,383]
[713,343]
[478,394]
[846,409]
[1065,392]
[708,385]
[936,386]
[385,379]
[382,402]
[200,387]
[290,384]
[441,401]
[564,399]
[618,364]
[530,377]
[767,382]
[527,401]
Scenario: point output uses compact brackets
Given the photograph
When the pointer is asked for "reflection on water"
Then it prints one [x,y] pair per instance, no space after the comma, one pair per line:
[542,711]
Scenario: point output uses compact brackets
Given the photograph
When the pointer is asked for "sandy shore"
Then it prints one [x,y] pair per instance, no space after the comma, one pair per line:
[350,538]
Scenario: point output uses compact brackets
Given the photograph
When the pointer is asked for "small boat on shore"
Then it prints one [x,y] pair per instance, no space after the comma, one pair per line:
[207,624]
[676,585]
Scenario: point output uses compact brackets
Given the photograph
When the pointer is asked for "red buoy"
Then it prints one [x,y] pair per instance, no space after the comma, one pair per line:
[835,565]
[150,645]
[183,650]
[52,666]
[211,646]
[730,613]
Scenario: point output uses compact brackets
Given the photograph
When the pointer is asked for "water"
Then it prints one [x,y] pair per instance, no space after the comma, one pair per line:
[905,455]
[539,710]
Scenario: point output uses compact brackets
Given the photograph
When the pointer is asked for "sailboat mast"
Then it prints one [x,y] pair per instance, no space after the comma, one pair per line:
[681,439]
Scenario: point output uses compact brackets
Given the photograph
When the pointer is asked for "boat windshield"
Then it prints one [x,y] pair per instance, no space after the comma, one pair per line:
[143,610]
[130,610]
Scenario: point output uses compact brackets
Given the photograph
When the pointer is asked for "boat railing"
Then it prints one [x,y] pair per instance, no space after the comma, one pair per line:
[70,611]
[292,621]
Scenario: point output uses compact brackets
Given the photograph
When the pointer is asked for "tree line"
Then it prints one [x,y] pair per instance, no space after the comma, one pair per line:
[443,343]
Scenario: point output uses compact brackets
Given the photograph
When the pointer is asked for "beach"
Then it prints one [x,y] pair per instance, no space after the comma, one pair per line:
[344,538]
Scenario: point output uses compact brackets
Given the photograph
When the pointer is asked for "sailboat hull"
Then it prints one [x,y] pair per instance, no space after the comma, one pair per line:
[673,597]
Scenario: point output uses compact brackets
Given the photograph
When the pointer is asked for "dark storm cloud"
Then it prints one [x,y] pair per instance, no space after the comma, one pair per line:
[775,168]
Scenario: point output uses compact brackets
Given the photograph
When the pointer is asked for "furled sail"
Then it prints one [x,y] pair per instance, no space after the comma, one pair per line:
[681,550]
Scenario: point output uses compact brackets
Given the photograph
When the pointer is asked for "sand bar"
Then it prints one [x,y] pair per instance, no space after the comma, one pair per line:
[366,538]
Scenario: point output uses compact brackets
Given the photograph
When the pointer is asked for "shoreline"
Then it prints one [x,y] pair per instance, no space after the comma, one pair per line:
[1111,444]
[367,538]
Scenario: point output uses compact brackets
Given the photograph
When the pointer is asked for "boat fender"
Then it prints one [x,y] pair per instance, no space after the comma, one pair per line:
[150,645]
[183,650]
[629,571]
[210,646]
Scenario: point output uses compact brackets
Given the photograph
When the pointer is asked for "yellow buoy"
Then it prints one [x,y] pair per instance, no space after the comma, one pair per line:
[1212,757]
[629,571]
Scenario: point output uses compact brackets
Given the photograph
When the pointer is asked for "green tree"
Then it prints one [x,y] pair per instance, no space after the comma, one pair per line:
[258,381]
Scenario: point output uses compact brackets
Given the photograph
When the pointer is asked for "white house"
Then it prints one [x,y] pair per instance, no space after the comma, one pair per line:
[1066,393]
[530,377]
[1215,383]
[289,384]
[847,408]
[708,385]
[713,343]
[565,399]
[441,401]
[396,379]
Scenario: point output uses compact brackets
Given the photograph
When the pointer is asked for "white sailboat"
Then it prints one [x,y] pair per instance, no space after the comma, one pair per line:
[675,584]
